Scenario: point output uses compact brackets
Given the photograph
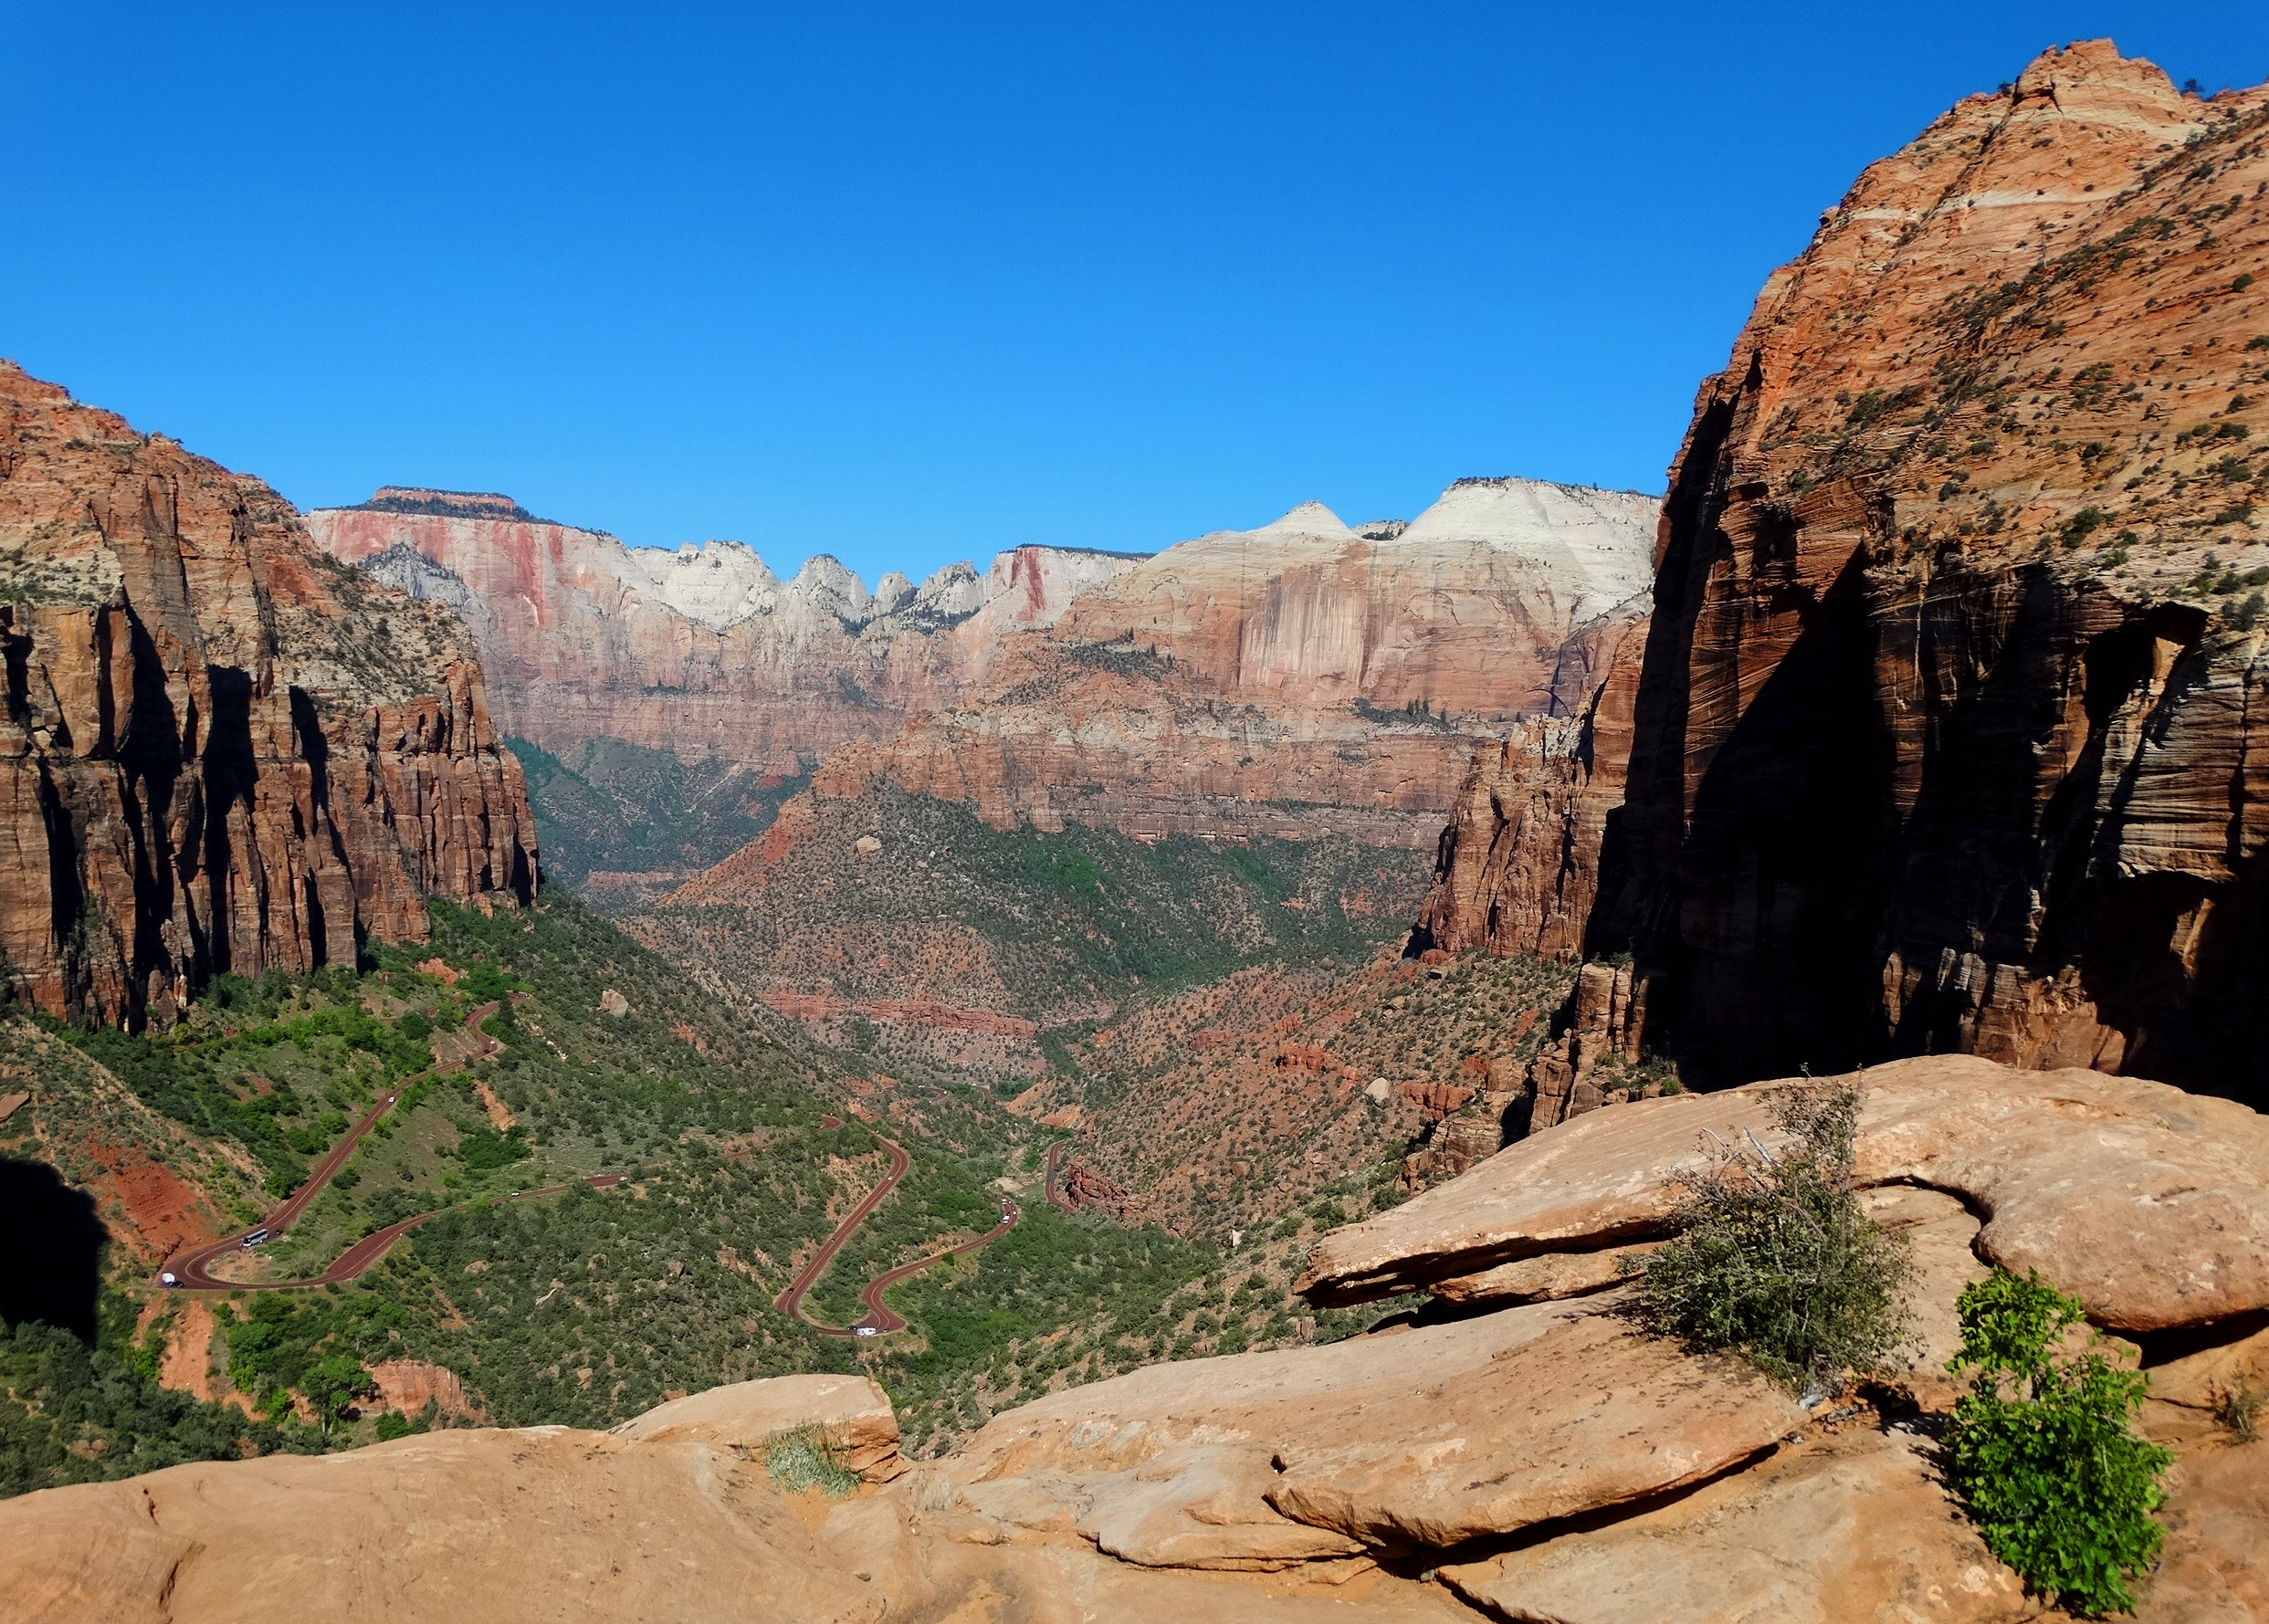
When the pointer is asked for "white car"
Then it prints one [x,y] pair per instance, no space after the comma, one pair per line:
[866,1330]
[169,1278]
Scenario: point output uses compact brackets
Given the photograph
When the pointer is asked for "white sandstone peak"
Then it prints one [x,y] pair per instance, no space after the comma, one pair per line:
[1308,518]
[1589,544]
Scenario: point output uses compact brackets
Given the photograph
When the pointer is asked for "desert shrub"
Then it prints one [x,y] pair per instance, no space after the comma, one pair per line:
[1776,1259]
[2237,1411]
[2042,1451]
[802,1458]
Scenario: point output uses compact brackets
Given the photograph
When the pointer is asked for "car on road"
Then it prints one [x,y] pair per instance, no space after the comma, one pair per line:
[168,1277]
[866,1330]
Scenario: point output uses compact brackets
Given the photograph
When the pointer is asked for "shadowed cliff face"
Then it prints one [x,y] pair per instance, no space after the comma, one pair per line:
[50,1249]
[1949,733]
[220,751]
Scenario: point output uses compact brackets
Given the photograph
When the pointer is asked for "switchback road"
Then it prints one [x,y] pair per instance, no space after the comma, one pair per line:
[879,1319]
[191,1271]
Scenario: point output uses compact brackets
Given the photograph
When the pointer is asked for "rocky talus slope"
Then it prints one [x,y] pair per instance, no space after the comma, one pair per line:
[1302,678]
[1531,1457]
[1947,733]
[221,749]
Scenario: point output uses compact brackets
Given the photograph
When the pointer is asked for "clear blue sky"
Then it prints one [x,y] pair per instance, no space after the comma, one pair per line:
[910,284]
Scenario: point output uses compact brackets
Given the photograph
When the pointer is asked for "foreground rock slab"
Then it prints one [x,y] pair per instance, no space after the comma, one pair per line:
[1851,1529]
[1407,1439]
[2149,1203]
[501,1528]
[856,1415]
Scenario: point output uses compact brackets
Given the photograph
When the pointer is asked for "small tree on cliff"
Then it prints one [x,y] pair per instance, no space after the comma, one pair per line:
[1776,1258]
[2042,1451]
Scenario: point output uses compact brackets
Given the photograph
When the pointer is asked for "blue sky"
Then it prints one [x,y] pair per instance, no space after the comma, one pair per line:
[912,284]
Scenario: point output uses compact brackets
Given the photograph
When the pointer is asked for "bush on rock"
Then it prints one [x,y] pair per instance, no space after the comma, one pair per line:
[1777,1260]
[2042,1451]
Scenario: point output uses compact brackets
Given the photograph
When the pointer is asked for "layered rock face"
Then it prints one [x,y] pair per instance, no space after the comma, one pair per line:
[1303,679]
[1518,870]
[703,651]
[1947,735]
[1530,1454]
[221,751]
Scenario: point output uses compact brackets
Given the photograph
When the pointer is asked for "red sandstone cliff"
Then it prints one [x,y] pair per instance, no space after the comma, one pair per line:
[221,749]
[1302,678]
[1518,866]
[1948,735]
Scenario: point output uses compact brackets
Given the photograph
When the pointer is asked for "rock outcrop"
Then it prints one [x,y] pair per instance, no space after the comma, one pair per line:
[1947,736]
[1516,871]
[221,749]
[1301,679]
[702,651]
[854,1414]
[2065,1164]
[1541,1461]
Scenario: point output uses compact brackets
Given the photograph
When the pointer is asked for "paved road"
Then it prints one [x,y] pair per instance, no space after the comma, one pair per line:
[1057,1198]
[880,1320]
[192,1269]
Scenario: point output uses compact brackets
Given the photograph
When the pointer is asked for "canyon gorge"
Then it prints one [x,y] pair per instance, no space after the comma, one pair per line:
[1260,1009]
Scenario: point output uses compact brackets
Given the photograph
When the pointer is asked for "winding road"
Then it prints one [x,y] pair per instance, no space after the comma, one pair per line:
[191,1271]
[880,1319]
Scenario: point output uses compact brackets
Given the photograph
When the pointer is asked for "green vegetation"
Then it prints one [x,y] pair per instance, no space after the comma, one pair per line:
[2041,1450]
[280,1342]
[610,806]
[804,1457]
[1776,1259]
[590,1306]
[1053,927]
[218,1073]
[73,1414]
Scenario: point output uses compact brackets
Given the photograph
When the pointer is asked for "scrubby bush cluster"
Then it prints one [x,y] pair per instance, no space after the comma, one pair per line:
[1776,1258]
[73,1411]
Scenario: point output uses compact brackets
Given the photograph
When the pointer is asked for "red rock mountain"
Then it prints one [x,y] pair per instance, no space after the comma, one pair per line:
[1947,732]
[221,751]
[1301,678]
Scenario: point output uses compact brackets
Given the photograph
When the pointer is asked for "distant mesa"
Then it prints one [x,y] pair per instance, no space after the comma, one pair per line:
[448,504]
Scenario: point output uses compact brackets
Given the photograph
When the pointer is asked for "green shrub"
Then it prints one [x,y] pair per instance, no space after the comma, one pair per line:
[803,1458]
[2042,1451]
[1776,1259]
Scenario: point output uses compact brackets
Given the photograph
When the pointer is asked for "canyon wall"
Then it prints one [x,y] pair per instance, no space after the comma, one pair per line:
[702,651]
[222,750]
[1947,733]
[1517,869]
[1300,679]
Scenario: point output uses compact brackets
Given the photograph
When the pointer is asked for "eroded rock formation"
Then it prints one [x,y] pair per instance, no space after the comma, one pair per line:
[1300,679]
[221,749]
[1517,868]
[1948,731]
